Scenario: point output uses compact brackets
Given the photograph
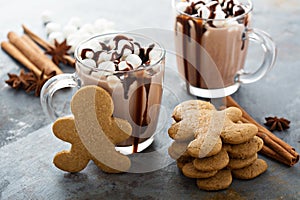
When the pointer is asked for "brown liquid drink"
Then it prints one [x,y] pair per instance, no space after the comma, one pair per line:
[132,73]
[209,35]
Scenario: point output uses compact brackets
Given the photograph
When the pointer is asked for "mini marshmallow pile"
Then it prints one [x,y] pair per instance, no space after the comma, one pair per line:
[119,54]
[74,31]
[212,9]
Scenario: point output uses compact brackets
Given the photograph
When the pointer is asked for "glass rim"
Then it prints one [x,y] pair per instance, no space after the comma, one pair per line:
[95,69]
[250,5]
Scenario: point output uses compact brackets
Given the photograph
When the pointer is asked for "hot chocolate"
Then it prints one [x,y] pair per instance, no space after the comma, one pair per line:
[211,33]
[132,73]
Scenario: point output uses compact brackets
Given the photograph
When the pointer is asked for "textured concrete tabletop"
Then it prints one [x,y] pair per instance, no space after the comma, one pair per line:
[27,145]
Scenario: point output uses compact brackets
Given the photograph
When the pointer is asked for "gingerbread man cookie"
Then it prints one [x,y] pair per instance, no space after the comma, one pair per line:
[93,133]
[202,125]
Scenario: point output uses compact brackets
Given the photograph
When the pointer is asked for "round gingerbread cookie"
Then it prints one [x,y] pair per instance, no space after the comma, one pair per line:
[244,150]
[241,163]
[190,171]
[220,181]
[252,171]
[216,162]
[182,160]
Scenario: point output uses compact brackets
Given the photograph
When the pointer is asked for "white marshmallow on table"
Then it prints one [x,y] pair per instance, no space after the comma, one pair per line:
[47,16]
[53,27]
[107,65]
[89,62]
[113,81]
[134,60]
[123,66]
[75,39]
[87,28]
[75,21]
[69,29]
[58,36]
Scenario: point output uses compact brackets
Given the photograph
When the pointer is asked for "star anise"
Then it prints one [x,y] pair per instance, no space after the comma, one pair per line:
[276,123]
[21,81]
[59,51]
[37,82]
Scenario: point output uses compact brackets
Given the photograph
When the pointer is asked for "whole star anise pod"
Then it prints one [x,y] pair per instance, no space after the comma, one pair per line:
[59,51]
[21,81]
[37,82]
[276,123]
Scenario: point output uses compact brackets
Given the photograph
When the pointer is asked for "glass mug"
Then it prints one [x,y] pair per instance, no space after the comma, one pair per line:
[136,95]
[211,53]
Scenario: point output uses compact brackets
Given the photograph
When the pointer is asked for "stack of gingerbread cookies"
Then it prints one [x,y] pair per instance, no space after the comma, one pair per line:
[214,146]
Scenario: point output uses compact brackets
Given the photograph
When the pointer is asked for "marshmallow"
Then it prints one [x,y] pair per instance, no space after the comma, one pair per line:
[100,74]
[69,29]
[107,66]
[58,36]
[53,27]
[123,66]
[136,49]
[89,54]
[203,12]
[47,16]
[104,56]
[111,44]
[134,60]
[89,62]
[219,16]
[75,21]
[113,81]
[73,40]
[87,28]
[155,55]
[180,6]
[121,44]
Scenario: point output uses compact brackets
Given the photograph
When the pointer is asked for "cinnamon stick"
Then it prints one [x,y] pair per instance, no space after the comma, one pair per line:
[32,44]
[17,55]
[281,148]
[44,44]
[41,61]
[272,154]
[277,148]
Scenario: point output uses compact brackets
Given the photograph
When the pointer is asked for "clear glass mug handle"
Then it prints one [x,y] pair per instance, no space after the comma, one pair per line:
[50,87]
[269,49]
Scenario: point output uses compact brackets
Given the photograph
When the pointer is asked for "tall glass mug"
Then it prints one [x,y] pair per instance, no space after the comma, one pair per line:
[211,39]
[130,67]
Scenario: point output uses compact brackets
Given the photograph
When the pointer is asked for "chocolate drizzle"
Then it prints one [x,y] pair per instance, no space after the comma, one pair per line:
[229,7]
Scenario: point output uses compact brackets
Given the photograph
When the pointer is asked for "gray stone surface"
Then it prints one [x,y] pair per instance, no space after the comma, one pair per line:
[27,145]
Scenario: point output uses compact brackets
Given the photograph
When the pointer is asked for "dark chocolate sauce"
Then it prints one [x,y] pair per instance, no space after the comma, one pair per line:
[191,72]
[104,46]
[84,51]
